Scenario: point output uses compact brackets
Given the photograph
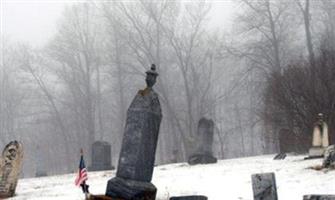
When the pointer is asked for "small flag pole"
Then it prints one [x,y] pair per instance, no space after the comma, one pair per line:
[84,187]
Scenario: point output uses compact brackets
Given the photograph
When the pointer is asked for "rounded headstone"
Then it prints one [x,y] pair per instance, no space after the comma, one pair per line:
[204,143]
[101,156]
[10,168]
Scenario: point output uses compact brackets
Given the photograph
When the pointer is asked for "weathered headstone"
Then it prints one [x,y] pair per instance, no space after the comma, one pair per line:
[10,168]
[264,186]
[204,138]
[319,197]
[137,156]
[193,197]
[320,138]
[329,157]
[101,156]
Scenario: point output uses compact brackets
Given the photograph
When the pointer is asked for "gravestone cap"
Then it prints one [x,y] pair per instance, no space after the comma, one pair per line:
[152,70]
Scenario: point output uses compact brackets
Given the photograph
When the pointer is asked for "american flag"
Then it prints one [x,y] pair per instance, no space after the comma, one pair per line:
[82,172]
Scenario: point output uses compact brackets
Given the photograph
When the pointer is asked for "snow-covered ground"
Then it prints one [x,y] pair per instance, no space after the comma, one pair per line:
[228,179]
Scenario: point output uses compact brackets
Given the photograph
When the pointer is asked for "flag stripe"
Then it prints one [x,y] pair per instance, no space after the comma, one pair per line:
[82,173]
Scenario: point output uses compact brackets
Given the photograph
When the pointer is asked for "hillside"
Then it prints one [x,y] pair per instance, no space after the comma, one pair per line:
[228,179]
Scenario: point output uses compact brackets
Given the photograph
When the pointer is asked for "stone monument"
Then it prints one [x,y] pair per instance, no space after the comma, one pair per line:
[320,138]
[264,186]
[329,157]
[204,144]
[10,168]
[137,156]
[101,156]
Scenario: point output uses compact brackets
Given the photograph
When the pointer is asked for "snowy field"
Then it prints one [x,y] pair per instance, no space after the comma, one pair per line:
[228,179]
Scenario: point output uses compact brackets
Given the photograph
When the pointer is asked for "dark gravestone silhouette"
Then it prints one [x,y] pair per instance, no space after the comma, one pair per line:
[204,152]
[264,186]
[137,156]
[101,156]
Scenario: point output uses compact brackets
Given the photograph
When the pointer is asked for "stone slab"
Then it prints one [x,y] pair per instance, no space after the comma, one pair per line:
[319,197]
[193,197]
[101,156]
[264,186]
[102,197]
[316,151]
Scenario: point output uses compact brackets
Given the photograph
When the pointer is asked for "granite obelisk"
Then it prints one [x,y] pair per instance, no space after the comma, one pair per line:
[137,156]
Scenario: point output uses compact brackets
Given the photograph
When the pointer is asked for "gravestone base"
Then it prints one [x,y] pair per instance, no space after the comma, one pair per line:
[315,152]
[201,159]
[3,196]
[319,197]
[130,190]
[101,197]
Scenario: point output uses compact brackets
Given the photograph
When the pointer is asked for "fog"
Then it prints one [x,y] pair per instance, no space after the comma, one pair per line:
[261,70]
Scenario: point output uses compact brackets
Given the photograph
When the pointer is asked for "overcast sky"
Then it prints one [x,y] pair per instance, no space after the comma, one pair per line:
[35,21]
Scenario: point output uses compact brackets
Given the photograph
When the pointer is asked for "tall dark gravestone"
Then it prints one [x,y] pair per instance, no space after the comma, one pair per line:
[101,156]
[137,156]
[204,144]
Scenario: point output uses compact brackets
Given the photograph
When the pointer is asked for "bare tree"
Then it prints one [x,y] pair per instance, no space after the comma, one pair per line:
[264,29]
[31,62]
[305,10]
[75,49]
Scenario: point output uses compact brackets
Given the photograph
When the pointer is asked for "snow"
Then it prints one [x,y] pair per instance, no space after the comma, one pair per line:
[228,179]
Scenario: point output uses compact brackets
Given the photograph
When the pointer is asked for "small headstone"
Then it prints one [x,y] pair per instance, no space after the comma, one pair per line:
[204,152]
[280,156]
[137,156]
[264,186]
[329,157]
[10,168]
[193,197]
[319,197]
[101,156]
[320,138]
